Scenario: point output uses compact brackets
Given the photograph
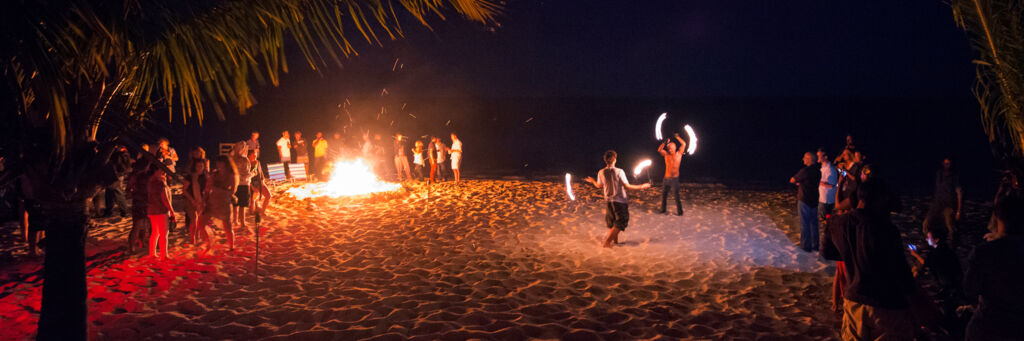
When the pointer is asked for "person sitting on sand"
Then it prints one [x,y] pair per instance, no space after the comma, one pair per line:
[673,156]
[159,211]
[613,183]
[808,179]
[994,275]
[219,194]
[878,280]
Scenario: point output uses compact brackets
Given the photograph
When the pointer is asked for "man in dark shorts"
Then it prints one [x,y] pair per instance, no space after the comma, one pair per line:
[613,183]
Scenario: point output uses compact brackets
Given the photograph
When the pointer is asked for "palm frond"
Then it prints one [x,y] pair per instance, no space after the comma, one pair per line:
[996,31]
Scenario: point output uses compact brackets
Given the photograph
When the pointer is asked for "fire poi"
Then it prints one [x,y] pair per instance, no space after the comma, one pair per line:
[568,186]
[692,145]
[657,126]
[349,178]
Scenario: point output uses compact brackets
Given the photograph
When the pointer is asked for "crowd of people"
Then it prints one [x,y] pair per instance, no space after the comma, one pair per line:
[443,160]
[874,285]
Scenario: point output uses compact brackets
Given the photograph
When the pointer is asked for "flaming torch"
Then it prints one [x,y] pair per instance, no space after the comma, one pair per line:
[568,186]
[693,139]
[657,126]
[640,168]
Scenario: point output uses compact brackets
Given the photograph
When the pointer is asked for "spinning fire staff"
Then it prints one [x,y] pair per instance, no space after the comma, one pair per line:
[640,168]
[568,186]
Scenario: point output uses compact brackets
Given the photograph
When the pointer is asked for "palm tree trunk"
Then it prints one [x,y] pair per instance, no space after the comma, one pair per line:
[63,312]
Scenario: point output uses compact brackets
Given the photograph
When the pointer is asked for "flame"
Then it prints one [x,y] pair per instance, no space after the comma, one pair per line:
[693,139]
[657,126]
[349,178]
[640,167]
[568,186]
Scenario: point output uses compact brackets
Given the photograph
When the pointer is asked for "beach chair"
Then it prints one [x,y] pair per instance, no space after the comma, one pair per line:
[297,171]
[225,148]
[276,173]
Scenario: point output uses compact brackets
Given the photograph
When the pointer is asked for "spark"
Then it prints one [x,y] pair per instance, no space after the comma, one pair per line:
[529,119]
[568,186]
[448,123]
[411,115]
[640,167]
[393,67]
[693,139]
[657,126]
[384,91]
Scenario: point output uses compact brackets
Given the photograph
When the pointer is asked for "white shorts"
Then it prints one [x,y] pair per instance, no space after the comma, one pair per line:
[456,160]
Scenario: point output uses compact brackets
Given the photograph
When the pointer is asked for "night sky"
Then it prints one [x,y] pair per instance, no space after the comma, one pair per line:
[606,69]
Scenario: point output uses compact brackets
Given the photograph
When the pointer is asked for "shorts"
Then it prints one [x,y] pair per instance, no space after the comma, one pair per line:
[242,196]
[456,160]
[616,215]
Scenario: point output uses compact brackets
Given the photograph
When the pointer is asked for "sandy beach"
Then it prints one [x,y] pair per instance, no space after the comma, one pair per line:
[490,259]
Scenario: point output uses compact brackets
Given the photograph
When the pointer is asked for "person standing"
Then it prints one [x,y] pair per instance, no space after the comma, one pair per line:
[253,143]
[827,186]
[166,154]
[417,159]
[878,281]
[807,180]
[159,211]
[243,193]
[284,147]
[994,275]
[948,201]
[334,147]
[121,163]
[401,161]
[301,150]
[442,157]
[193,189]
[613,184]
[319,155]
[432,155]
[222,184]
[258,187]
[138,183]
[456,153]
[673,156]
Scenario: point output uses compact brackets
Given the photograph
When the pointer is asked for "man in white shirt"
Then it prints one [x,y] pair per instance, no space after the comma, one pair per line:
[284,147]
[827,187]
[613,183]
[456,152]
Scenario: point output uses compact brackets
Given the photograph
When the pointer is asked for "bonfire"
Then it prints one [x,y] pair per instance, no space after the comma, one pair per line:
[348,179]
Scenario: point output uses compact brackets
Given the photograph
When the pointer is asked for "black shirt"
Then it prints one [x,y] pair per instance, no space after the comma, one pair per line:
[995,272]
[807,179]
[944,265]
[946,183]
[877,273]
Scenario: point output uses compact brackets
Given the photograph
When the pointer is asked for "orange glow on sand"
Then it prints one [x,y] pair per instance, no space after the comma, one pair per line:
[349,178]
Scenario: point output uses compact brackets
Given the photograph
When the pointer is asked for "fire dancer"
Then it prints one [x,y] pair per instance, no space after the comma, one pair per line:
[159,211]
[401,161]
[284,147]
[613,183]
[672,156]
[456,152]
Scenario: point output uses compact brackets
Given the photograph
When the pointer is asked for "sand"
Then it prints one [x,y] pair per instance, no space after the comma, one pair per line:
[490,259]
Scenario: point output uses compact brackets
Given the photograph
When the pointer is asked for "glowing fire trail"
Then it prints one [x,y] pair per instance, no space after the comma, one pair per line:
[349,178]
[640,168]
[693,139]
[568,186]
[657,126]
